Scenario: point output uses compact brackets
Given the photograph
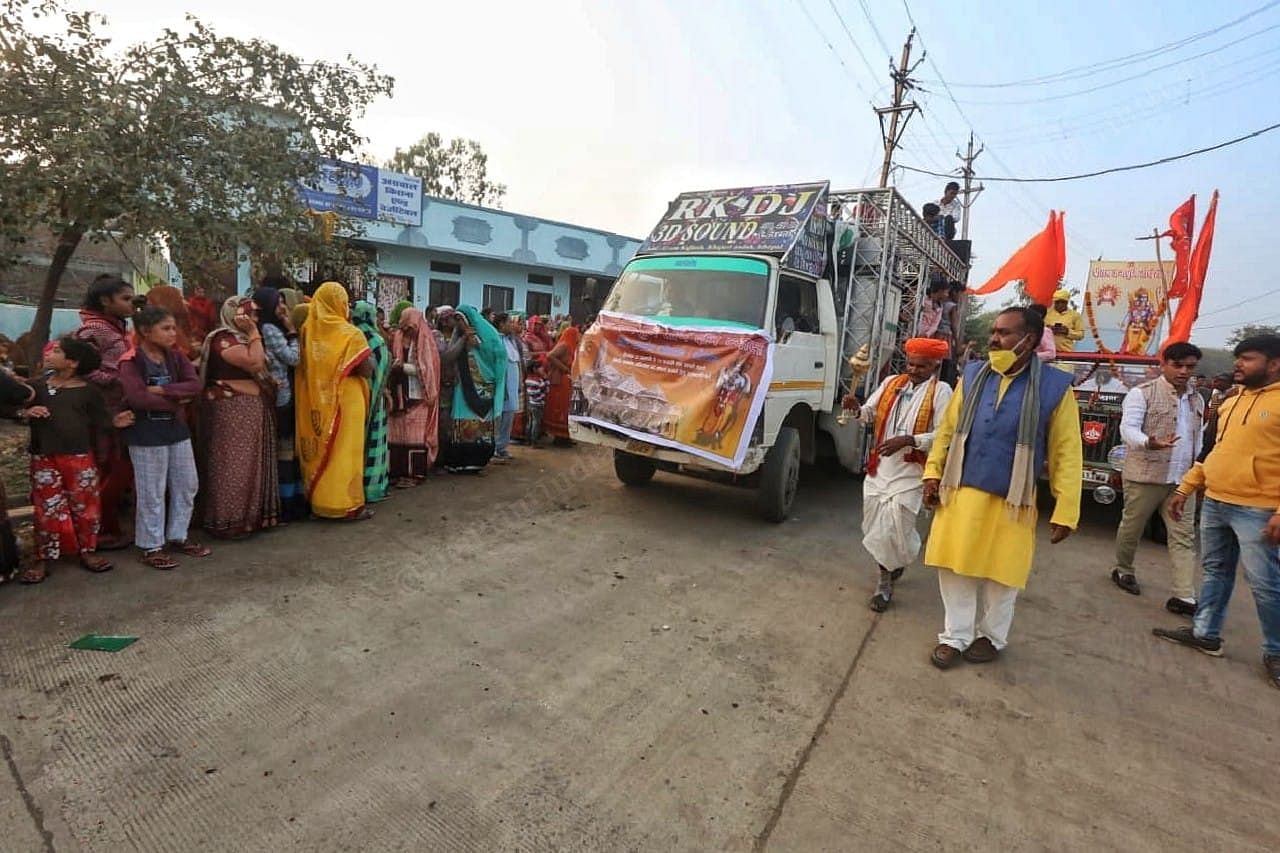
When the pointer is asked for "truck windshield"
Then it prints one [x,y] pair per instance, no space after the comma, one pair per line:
[694,290]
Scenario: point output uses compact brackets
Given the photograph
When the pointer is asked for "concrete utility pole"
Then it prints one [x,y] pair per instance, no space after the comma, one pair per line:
[968,191]
[900,111]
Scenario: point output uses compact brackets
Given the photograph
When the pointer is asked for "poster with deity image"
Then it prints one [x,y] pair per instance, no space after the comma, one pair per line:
[1125,304]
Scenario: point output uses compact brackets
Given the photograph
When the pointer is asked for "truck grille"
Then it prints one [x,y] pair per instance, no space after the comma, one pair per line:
[1099,409]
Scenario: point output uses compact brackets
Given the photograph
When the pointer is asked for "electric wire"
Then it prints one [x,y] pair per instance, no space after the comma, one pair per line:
[1094,68]
[852,40]
[847,70]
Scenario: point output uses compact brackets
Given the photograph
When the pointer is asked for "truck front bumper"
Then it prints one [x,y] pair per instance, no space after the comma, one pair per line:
[667,458]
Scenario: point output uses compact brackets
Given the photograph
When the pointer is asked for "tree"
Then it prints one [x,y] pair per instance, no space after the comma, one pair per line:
[193,137]
[458,170]
[1249,331]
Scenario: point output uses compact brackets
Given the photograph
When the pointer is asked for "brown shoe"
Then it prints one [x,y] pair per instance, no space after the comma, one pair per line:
[981,650]
[944,656]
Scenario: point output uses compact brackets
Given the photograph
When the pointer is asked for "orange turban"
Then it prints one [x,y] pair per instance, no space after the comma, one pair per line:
[928,348]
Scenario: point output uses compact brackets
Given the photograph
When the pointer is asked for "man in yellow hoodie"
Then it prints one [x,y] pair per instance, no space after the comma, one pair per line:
[1240,518]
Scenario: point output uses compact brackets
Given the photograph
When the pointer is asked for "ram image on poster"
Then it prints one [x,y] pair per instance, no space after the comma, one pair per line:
[679,357]
[1124,305]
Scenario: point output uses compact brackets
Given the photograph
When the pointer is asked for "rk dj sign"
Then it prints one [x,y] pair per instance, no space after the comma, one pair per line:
[750,219]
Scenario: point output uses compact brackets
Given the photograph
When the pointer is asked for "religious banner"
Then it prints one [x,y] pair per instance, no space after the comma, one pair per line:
[698,390]
[1125,303]
[788,220]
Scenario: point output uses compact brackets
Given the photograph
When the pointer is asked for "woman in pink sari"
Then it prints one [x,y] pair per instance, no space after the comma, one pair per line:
[413,430]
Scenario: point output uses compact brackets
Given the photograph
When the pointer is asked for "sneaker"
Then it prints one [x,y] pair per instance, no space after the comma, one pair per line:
[1272,664]
[1180,606]
[1187,637]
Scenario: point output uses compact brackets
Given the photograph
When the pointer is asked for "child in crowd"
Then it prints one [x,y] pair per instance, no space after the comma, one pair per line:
[535,393]
[65,415]
[157,379]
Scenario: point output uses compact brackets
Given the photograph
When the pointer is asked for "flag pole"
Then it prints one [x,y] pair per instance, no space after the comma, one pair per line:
[1164,284]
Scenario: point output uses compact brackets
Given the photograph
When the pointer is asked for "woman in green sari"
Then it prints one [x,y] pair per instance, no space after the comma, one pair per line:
[477,398]
[377,454]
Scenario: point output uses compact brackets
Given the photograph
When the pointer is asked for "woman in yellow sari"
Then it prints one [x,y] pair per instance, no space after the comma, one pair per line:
[332,401]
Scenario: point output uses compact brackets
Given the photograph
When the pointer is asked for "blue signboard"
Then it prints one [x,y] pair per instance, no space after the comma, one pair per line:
[363,192]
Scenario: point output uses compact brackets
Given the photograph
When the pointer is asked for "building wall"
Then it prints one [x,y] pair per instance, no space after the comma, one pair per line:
[132,260]
[475,274]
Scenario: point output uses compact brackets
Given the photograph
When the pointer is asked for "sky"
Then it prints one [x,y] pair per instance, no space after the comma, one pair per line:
[598,113]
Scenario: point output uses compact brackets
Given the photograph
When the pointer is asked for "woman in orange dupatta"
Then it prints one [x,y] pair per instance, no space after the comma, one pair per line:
[414,429]
[559,375]
[332,393]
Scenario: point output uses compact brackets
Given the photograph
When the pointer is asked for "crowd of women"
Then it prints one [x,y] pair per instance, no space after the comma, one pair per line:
[275,408]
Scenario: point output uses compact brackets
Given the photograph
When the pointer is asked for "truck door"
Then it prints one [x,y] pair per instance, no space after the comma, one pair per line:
[800,359]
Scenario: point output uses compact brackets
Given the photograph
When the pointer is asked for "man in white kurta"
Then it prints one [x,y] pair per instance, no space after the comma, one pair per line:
[904,413]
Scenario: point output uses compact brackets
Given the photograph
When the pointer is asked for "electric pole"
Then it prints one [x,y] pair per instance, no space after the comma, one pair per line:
[900,111]
[968,191]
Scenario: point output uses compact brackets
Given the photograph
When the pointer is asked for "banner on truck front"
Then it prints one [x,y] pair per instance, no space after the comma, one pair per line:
[698,390]
[1125,303]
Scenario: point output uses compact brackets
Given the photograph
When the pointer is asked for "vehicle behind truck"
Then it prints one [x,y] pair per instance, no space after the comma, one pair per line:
[722,349]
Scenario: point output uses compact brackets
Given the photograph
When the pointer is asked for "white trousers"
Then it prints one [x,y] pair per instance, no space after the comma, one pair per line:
[168,468]
[976,607]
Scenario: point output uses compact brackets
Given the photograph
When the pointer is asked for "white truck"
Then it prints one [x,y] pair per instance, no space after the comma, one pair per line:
[797,272]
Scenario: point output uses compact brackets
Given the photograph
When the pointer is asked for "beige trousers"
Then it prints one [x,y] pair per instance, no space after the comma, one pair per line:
[1141,500]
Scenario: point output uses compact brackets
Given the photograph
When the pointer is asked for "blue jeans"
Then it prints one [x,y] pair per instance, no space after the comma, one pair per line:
[1231,534]
[505,423]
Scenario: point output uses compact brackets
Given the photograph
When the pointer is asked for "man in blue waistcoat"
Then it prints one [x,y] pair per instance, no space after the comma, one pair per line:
[1009,418]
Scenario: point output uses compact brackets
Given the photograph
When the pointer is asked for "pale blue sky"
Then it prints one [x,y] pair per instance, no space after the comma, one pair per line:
[599,112]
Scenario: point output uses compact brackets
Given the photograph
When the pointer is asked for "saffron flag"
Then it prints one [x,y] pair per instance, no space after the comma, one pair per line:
[1039,264]
[1189,307]
[1182,223]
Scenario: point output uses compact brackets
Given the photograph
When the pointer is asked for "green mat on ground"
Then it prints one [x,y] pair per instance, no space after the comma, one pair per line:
[103,642]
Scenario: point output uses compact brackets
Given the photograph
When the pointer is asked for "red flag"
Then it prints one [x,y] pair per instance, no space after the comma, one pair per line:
[1039,264]
[1189,307]
[1182,223]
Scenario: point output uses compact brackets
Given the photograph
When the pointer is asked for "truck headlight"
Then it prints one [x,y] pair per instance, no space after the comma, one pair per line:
[1115,456]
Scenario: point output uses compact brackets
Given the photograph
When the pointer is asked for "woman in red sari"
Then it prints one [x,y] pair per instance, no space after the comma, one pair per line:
[559,376]
[414,429]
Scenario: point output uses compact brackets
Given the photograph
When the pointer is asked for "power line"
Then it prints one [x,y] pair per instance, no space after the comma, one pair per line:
[1115,169]
[872,21]
[1238,304]
[1129,79]
[817,29]
[1093,68]
[852,40]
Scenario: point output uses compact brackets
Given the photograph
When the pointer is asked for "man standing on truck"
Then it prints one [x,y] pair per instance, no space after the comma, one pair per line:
[1240,516]
[904,412]
[1066,322]
[1161,431]
[1008,418]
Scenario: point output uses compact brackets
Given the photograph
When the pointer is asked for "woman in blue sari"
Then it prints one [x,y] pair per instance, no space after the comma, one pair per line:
[377,453]
[477,398]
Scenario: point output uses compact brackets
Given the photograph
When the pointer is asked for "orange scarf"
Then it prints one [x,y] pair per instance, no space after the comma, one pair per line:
[884,409]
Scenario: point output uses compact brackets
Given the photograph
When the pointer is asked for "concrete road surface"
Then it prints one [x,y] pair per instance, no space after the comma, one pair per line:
[541,659]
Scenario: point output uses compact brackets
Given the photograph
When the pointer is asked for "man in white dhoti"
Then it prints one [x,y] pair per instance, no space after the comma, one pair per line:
[904,413]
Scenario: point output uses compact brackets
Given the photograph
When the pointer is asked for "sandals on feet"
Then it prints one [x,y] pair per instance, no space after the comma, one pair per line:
[191,549]
[158,559]
[95,564]
[34,573]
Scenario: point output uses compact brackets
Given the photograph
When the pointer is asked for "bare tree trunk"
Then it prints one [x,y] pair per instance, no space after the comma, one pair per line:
[68,240]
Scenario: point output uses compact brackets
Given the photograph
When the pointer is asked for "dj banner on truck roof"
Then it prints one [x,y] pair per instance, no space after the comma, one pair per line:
[699,390]
[788,220]
[1125,303]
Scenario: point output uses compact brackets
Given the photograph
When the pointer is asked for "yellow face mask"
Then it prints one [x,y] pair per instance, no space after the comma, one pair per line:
[1002,360]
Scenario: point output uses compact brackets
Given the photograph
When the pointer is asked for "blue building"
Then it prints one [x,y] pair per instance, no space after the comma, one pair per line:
[437,251]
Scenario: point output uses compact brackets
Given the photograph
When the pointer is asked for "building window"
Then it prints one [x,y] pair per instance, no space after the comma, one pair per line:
[446,267]
[445,292]
[539,278]
[537,303]
[499,298]
[393,289]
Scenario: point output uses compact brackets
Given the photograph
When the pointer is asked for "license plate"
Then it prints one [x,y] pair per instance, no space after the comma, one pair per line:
[640,448]
[1099,477]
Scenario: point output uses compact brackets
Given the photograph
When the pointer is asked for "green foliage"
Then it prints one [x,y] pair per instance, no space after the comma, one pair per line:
[1216,361]
[192,136]
[1249,331]
[457,170]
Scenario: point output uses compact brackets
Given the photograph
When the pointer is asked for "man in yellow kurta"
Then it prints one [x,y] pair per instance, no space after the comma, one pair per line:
[1007,419]
[1065,321]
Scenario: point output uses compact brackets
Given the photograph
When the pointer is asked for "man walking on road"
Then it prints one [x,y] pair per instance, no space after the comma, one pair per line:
[904,412]
[1240,518]
[1008,418]
[1161,430]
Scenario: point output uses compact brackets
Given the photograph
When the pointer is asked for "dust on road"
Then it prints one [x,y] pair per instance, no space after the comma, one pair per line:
[540,659]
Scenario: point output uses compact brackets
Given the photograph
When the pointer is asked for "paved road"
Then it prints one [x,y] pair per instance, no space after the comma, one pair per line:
[540,659]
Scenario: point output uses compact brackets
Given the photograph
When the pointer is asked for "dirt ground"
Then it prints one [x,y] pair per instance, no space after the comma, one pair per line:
[541,659]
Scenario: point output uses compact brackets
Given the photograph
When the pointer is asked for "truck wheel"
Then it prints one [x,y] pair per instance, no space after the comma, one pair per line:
[631,469]
[780,476]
